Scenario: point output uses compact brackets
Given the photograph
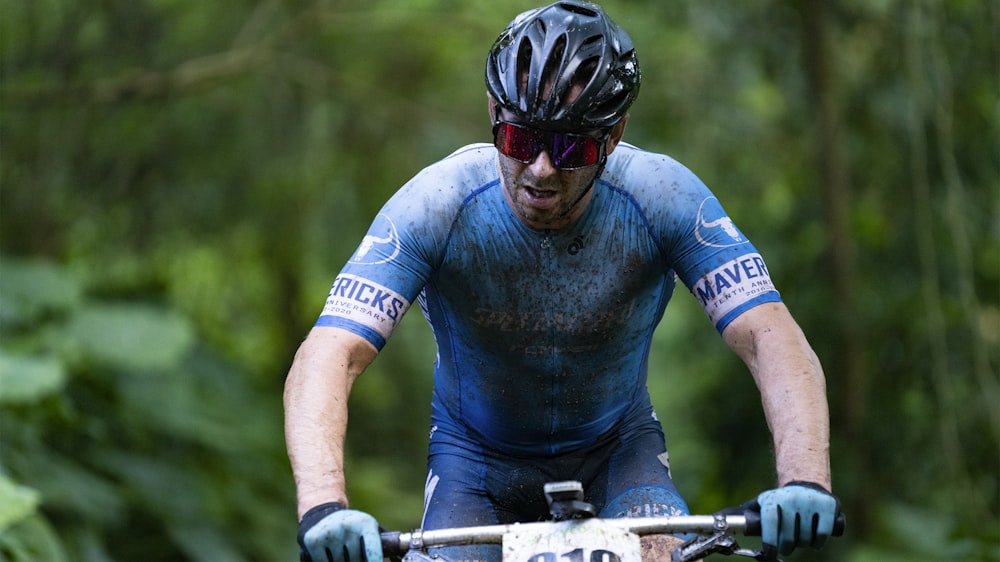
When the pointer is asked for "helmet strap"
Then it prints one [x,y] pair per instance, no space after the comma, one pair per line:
[600,170]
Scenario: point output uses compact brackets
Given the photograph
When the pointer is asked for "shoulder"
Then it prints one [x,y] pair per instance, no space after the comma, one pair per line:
[660,185]
[443,186]
[424,211]
[646,173]
[462,170]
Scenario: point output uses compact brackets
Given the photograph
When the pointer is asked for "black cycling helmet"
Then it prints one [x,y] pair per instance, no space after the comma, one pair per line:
[543,53]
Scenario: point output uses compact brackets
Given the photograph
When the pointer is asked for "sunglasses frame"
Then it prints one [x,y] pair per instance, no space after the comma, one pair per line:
[542,140]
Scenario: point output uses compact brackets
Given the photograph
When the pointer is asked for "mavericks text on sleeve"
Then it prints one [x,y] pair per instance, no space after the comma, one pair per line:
[360,301]
[731,285]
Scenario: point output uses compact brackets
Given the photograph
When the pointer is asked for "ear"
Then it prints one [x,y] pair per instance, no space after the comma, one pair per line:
[492,104]
[616,134]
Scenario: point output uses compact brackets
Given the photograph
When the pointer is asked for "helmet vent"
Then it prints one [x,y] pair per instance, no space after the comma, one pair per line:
[585,72]
[523,66]
[612,105]
[552,67]
[578,9]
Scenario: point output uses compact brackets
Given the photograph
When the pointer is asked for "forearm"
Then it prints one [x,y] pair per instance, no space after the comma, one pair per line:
[315,426]
[315,400]
[793,392]
[794,401]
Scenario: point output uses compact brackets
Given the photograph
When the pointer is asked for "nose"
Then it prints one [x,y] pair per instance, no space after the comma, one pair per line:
[542,165]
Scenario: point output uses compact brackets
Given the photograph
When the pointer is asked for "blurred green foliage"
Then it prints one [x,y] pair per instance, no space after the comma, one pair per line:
[180,182]
[136,441]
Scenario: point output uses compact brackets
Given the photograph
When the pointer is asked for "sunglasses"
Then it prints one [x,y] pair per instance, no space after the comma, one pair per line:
[567,150]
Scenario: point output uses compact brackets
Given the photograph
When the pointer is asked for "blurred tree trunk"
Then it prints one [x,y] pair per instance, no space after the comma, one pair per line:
[941,206]
[852,409]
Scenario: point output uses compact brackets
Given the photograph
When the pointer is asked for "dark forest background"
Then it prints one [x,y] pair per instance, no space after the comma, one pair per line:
[180,181]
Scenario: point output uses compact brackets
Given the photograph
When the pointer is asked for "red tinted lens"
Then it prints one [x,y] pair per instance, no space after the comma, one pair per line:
[567,150]
[574,151]
[515,141]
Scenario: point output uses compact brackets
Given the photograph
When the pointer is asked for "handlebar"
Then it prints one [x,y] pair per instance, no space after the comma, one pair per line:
[752,524]
[398,543]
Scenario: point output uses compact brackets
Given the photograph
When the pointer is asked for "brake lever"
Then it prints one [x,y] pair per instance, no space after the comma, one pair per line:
[719,543]
[701,546]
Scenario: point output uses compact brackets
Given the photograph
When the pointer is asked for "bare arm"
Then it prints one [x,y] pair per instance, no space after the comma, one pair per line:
[792,388]
[316,392]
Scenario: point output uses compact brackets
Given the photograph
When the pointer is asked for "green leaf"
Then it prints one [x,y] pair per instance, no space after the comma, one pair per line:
[202,542]
[29,288]
[16,502]
[208,405]
[141,337]
[30,539]
[26,379]
[69,485]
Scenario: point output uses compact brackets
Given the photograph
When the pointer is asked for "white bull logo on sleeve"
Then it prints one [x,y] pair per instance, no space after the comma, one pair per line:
[727,224]
[709,220]
[372,241]
[368,242]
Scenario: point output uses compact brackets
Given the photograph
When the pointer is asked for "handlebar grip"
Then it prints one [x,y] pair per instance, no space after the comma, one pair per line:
[753,523]
[752,528]
[390,544]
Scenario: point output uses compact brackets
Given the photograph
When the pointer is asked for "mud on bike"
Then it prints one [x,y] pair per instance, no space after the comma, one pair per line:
[575,534]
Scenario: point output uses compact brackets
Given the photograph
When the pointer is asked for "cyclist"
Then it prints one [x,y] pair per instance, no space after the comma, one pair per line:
[543,263]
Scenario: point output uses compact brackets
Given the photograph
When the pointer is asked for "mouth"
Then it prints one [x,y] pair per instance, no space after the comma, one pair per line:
[540,196]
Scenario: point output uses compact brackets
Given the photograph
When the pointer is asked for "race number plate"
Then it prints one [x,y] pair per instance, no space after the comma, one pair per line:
[582,540]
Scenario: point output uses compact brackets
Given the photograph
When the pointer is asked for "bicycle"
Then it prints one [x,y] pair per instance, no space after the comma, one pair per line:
[575,534]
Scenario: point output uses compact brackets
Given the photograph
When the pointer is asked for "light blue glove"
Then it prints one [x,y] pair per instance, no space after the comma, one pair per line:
[798,514]
[339,535]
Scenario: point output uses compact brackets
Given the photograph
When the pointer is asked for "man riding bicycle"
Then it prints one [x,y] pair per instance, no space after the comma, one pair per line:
[543,263]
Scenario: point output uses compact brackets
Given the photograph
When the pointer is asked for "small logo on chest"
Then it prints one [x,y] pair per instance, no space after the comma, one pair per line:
[575,246]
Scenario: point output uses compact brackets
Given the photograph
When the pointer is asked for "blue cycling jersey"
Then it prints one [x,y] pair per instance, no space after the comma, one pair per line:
[543,335]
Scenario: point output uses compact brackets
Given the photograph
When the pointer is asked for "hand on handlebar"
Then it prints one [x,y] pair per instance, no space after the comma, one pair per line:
[798,514]
[331,533]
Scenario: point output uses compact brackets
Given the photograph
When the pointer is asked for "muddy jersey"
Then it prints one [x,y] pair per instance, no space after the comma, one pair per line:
[543,336]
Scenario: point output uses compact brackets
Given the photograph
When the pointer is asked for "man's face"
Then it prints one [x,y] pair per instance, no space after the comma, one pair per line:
[542,195]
